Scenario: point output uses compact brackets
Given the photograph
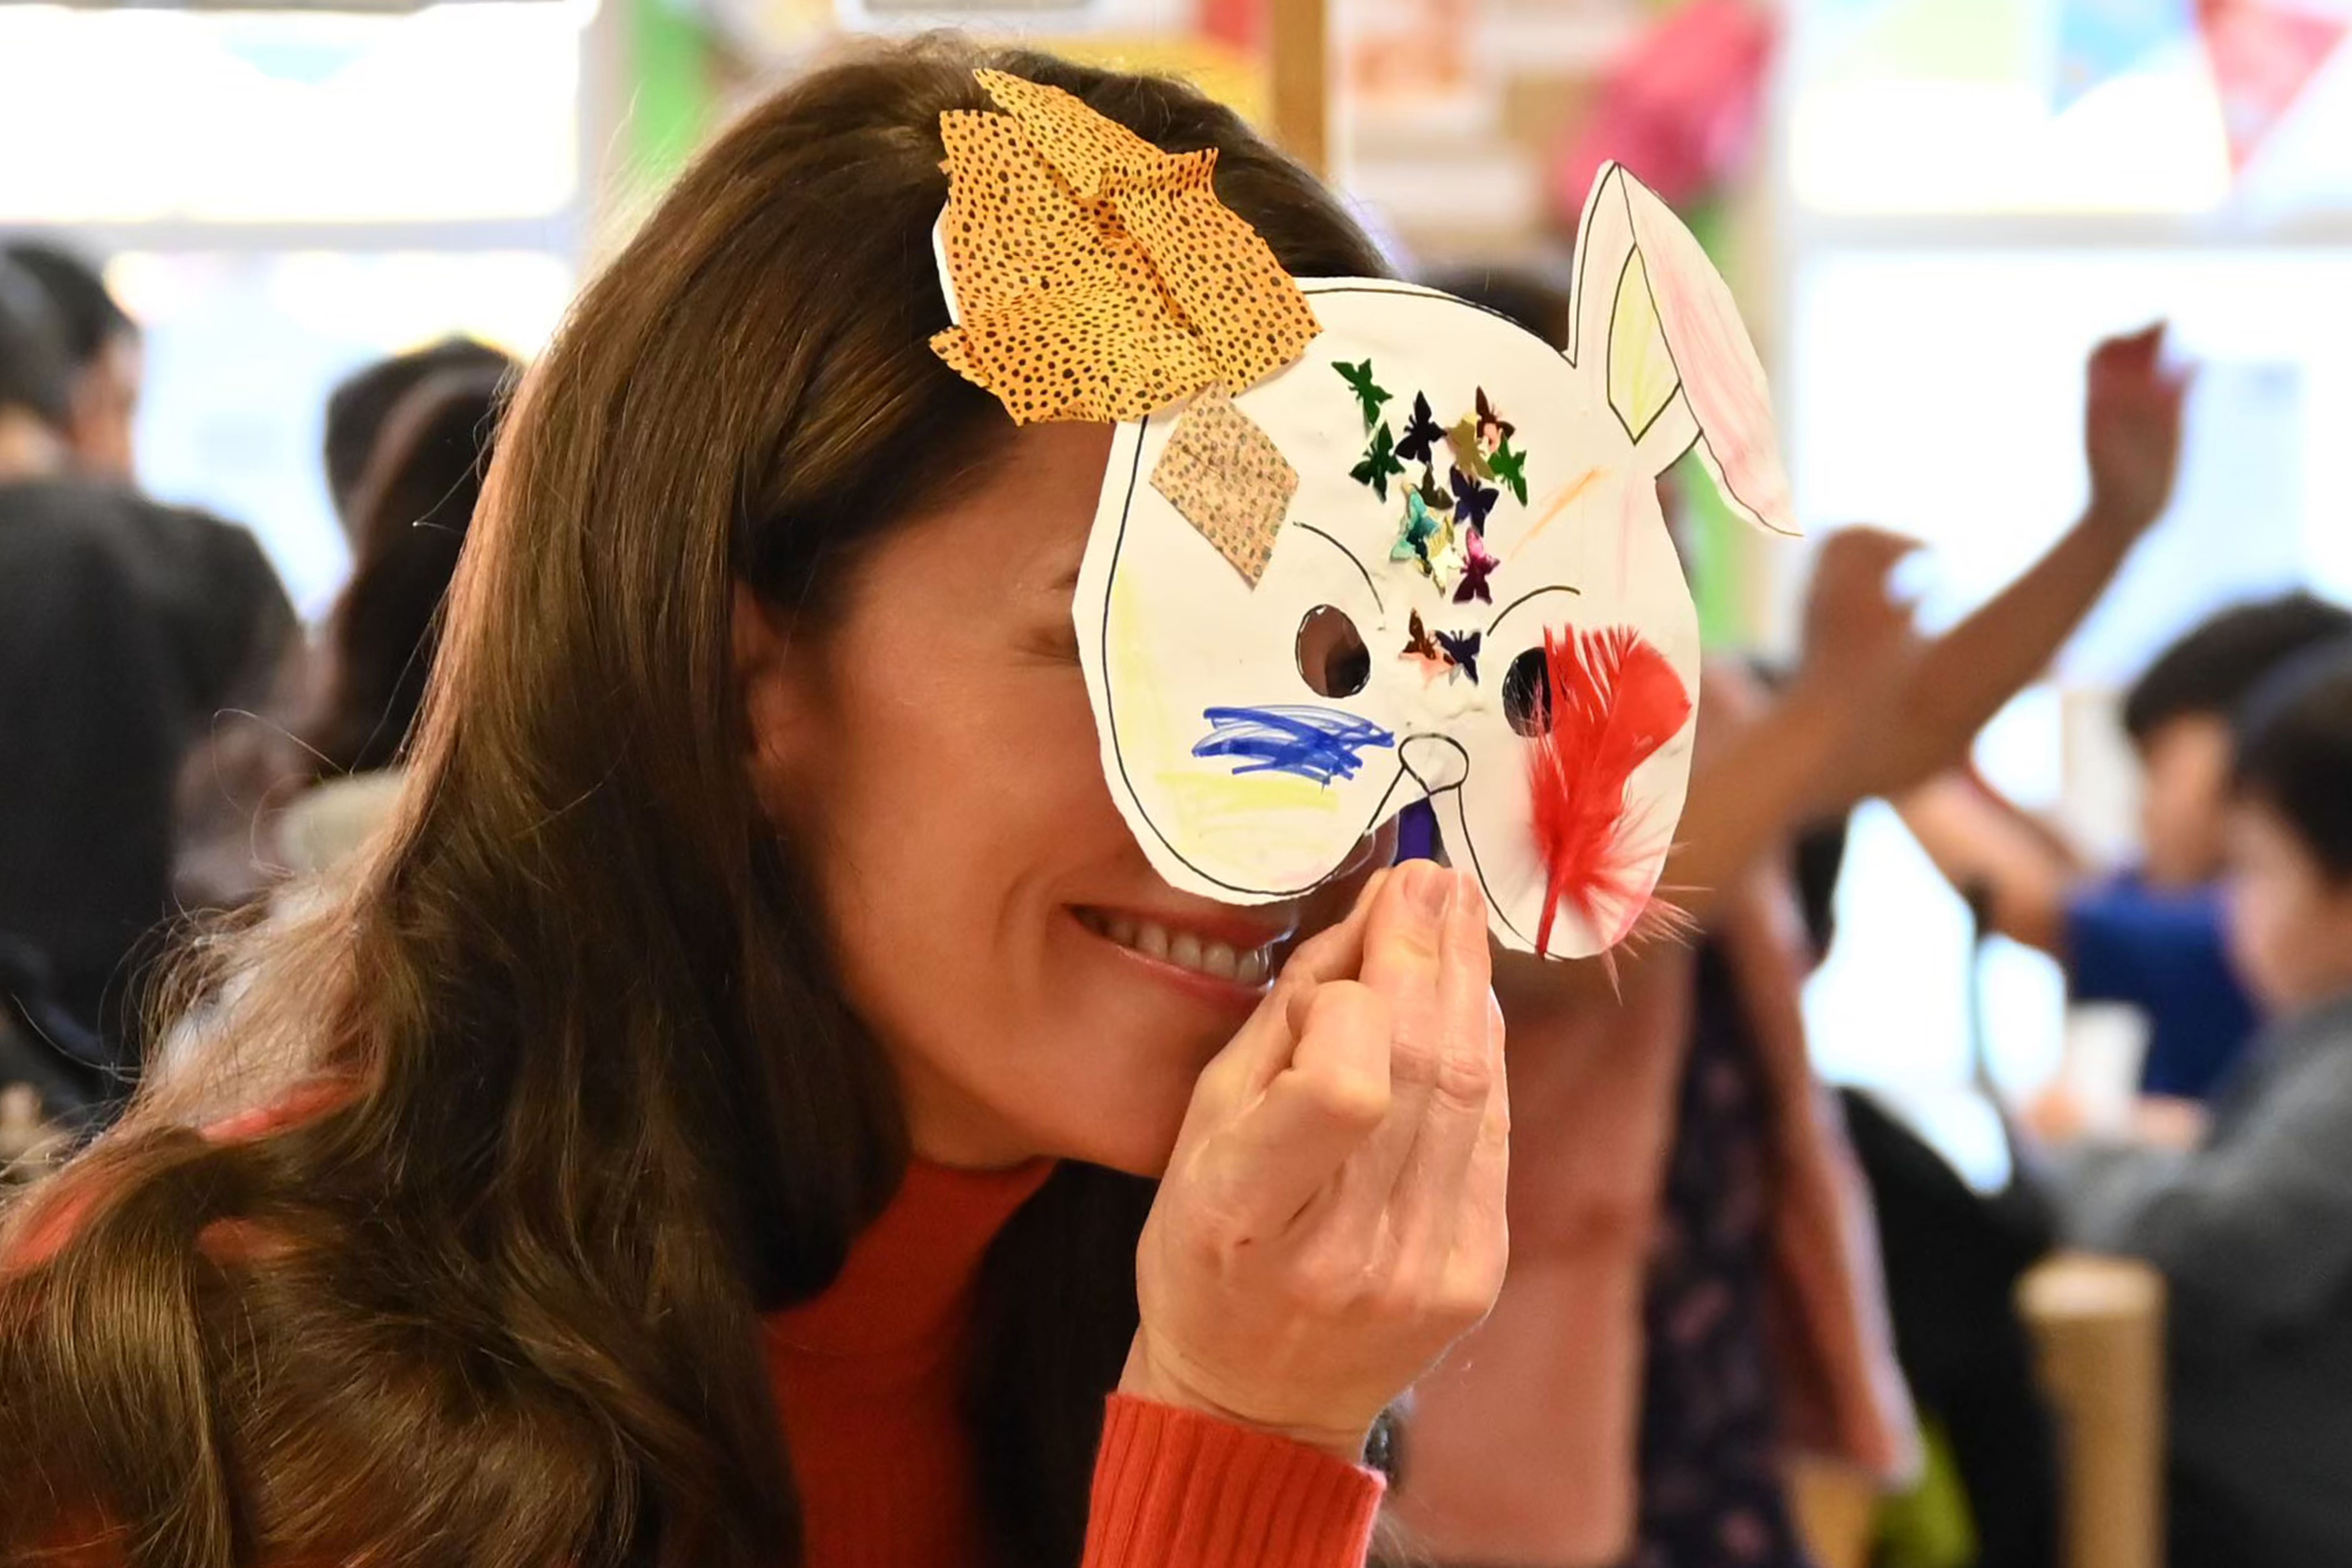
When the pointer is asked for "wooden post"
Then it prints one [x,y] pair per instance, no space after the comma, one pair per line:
[1300,38]
[2099,1324]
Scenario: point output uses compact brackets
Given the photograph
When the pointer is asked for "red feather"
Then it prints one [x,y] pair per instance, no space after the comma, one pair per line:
[1614,702]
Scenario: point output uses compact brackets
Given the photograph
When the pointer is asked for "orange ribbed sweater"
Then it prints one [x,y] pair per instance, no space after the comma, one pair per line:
[868,1377]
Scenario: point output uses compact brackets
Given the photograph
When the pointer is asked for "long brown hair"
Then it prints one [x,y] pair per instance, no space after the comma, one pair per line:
[597,1100]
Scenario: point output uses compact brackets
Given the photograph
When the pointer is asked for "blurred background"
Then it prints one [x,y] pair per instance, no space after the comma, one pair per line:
[1930,209]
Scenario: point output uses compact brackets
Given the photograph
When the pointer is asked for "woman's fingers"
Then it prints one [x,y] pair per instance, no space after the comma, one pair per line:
[1481,1241]
[1316,1113]
[1429,1189]
[1403,953]
[1263,1045]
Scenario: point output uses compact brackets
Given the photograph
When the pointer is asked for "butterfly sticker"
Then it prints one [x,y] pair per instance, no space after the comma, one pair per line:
[1462,649]
[1462,440]
[1435,496]
[1420,645]
[1419,432]
[1379,462]
[1472,501]
[1493,429]
[1477,564]
[1510,468]
[1421,527]
[1369,395]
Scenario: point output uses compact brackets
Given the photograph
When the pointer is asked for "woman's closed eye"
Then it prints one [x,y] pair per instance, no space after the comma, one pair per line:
[1049,638]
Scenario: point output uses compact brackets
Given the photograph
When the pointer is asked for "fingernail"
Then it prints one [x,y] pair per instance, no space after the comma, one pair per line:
[1430,889]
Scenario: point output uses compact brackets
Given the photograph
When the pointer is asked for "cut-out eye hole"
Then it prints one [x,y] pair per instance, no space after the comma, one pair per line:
[1526,694]
[1332,658]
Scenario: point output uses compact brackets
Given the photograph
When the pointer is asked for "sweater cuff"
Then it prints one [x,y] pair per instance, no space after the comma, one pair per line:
[1174,1488]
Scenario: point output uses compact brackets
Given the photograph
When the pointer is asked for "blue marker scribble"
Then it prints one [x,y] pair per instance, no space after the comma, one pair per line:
[1318,743]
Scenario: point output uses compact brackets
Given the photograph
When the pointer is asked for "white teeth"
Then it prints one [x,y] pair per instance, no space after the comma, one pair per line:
[1183,949]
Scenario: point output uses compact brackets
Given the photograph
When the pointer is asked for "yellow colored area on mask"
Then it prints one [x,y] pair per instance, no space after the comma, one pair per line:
[1217,819]
[1642,374]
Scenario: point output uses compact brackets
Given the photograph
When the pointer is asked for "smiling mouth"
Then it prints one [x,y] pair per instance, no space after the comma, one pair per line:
[1181,949]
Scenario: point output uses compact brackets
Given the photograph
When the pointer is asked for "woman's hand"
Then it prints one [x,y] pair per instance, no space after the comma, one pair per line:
[1332,1217]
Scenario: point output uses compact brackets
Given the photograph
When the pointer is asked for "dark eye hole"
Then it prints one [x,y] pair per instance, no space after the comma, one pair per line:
[1332,658]
[1526,694]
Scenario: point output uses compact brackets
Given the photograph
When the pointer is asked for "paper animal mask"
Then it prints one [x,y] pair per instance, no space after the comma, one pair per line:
[1424,558]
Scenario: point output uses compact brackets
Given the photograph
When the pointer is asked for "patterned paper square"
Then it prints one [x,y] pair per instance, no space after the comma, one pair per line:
[1228,480]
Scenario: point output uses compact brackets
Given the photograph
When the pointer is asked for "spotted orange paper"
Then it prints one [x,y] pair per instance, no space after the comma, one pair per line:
[1095,276]
[1227,478]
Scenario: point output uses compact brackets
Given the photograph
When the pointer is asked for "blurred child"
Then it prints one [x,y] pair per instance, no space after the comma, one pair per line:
[410,513]
[2252,1227]
[408,442]
[2153,936]
[359,412]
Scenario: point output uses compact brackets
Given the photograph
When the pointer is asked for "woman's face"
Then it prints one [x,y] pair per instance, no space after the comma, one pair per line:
[1039,990]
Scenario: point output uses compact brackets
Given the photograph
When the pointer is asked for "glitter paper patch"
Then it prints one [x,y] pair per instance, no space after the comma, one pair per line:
[1096,277]
[1228,480]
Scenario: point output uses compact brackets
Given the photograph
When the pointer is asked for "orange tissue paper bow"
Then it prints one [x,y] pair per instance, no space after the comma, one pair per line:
[1093,276]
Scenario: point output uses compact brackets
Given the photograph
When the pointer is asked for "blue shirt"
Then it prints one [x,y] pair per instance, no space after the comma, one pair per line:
[2163,952]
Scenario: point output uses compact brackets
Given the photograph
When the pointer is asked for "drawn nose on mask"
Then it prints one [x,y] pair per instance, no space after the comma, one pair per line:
[1435,761]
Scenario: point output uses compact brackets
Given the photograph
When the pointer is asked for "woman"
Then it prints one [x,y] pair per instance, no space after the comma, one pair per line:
[717,1128]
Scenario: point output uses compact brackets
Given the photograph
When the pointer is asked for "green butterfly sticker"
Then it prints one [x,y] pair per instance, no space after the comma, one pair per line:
[1369,395]
[1510,468]
[1379,462]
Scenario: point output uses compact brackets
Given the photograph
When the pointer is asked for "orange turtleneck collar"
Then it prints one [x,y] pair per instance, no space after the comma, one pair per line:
[876,1365]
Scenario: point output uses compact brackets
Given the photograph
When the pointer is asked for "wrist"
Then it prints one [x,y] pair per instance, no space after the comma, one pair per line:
[1147,1378]
[2118,525]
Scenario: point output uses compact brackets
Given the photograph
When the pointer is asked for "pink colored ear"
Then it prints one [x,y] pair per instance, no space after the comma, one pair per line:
[1665,324]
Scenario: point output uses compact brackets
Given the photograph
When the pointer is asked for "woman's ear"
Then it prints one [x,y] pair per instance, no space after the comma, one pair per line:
[780,706]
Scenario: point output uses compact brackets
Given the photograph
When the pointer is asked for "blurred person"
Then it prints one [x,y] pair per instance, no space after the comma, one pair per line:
[123,626]
[711,1129]
[2252,1224]
[2152,935]
[109,361]
[296,791]
[1694,1291]
[412,507]
[361,407]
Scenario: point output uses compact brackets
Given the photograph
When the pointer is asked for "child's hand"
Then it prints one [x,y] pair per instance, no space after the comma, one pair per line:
[1332,1217]
[1855,625]
[2131,429]
[2167,1122]
[2056,1115]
